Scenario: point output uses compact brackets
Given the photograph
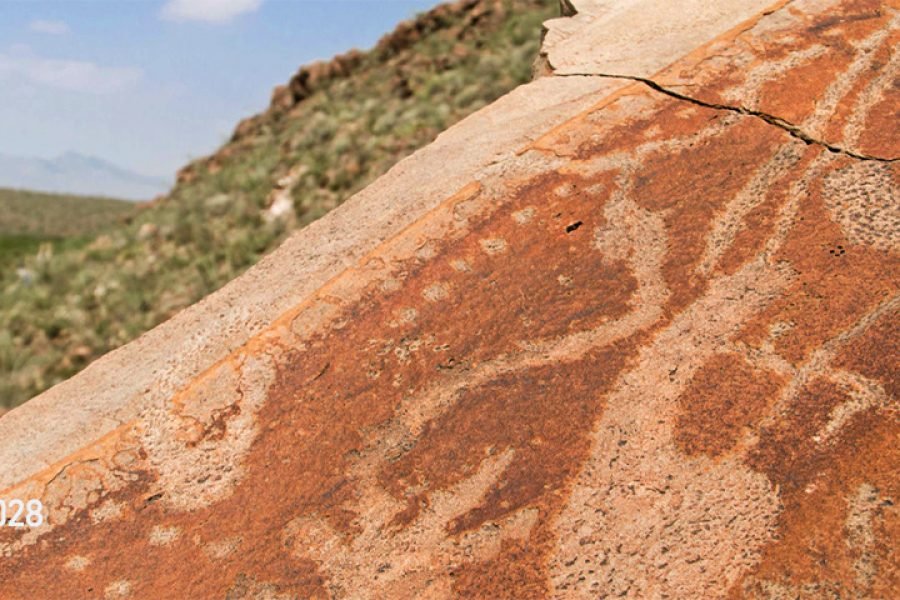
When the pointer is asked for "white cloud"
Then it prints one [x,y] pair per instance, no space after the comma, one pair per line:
[72,75]
[211,11]
[49,27]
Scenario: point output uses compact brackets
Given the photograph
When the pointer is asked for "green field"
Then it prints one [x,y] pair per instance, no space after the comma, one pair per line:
[338,135]
[29,220]
[15,248]
[56,215]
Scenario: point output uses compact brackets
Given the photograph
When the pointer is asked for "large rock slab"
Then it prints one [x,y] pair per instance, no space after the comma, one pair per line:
[604,337]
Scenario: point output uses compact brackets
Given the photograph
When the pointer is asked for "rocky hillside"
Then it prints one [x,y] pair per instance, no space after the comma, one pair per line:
[330,131]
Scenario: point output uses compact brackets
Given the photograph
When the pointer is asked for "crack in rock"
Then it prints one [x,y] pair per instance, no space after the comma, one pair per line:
[792,129]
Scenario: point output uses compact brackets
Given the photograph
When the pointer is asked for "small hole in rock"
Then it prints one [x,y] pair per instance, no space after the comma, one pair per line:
[573,226]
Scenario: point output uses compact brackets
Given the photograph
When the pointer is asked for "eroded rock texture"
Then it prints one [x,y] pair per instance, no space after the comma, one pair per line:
[654,355]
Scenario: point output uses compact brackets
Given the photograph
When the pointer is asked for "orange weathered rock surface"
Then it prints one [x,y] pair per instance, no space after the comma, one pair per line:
[605,337]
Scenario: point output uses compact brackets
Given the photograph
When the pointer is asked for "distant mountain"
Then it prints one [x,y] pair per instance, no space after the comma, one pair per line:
[73,173]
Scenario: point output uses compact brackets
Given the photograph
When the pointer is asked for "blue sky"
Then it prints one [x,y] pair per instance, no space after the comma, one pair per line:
[150,84]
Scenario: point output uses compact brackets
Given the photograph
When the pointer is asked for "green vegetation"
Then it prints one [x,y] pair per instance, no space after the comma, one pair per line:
[56,215]
[31,219]
[86,298]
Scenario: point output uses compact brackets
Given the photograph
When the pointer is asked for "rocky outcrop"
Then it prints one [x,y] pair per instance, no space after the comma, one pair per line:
[460,18]
[629,331]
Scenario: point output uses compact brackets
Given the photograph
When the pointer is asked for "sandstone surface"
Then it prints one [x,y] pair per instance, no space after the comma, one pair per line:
[632,331]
